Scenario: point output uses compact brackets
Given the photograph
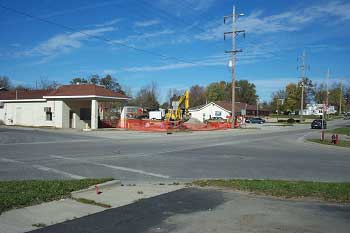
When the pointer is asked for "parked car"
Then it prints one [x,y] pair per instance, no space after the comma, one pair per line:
[255,120]
[317,124]
[216,119]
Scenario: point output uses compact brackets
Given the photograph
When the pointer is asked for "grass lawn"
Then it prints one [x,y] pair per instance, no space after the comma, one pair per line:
[343,130]
[334,192]
[327,142]
[14,194]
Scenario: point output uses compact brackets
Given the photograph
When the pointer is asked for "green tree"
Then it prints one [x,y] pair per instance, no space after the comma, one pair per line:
[278,101]
[111,84]
[94,79]
[246,92]
[217,91]
[293,97]
[78,80]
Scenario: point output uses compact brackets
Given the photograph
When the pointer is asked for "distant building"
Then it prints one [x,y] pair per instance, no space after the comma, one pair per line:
[70,106]
[223,109]
[317,109]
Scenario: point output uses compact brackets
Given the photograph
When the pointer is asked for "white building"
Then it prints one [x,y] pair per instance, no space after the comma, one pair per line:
[70,106]
[223,109]
[208,111]
[317,109]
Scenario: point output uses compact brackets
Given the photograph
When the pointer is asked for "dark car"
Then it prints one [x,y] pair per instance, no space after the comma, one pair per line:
[255,120]
[317,124]
[216,119]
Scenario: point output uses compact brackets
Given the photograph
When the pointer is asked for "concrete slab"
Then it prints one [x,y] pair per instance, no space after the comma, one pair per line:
[210,210]
[23,220]
[116,196]
[112,193]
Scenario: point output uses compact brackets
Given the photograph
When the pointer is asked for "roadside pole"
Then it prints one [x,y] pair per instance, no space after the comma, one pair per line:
[322,134]
[233,52]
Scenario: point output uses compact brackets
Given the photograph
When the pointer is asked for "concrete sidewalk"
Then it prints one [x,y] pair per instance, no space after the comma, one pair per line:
[209,210]
[46,214]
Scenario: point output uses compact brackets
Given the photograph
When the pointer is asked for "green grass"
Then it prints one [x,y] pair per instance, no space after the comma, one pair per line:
[15,194]
[328,142]
[343,130]
[334,192]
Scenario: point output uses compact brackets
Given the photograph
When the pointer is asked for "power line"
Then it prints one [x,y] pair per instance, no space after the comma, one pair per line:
[71,29]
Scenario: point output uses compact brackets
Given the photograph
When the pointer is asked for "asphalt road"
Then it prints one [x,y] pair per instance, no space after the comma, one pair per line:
[274,153]
[201,210]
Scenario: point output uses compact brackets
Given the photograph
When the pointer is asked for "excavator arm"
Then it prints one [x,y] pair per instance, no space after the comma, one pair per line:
[176,114]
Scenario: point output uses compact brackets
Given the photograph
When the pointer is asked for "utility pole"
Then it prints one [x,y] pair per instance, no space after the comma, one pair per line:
[327,107]
[234,32]
[341,96]
[303,68]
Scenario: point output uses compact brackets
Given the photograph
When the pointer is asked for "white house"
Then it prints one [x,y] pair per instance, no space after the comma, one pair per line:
[208,111]
[223,109]
[70,106]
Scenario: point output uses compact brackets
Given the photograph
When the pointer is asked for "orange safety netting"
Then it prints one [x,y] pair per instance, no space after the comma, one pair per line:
[163,126]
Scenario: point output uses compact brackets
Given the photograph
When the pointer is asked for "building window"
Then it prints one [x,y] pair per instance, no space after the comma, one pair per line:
[49,116]
[48,113]
[2,105]
[85,114]
[217,113]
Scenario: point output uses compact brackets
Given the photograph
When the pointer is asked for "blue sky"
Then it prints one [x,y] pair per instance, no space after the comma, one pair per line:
[191,31]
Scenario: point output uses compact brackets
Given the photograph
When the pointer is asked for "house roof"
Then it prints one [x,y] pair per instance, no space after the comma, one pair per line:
[66,91]
[23,94]
[228,106]
[85,90]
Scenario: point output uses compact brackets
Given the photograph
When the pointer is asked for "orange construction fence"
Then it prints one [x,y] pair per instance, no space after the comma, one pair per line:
[163,126]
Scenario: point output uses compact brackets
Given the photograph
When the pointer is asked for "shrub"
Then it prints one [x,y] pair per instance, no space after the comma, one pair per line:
[291,121]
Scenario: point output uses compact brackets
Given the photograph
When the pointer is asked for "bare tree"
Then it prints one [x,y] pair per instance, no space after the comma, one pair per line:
[46,84]
[5,82]
[147,96]
[197,95]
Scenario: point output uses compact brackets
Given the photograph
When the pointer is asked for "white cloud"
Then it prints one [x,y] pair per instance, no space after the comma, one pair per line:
[63,43]
[147,23]
[144,36]
[16,45]
[108,23]
[293,20]
[109,71]
[216,60]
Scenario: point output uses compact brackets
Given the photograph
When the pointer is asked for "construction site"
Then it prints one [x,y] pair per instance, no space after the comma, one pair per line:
[178,118]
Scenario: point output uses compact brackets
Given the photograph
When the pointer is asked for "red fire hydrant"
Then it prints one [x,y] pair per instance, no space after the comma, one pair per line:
[334,139]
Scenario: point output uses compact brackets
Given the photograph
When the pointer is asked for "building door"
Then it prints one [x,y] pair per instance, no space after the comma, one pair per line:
[18,116]
[71,119]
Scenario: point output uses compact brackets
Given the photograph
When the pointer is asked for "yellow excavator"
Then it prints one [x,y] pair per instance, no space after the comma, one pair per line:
[176,113]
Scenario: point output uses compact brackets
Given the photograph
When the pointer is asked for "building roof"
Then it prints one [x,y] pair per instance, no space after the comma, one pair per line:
[84,90]
[23,94]
[66,91]
[238,106]
[228,106]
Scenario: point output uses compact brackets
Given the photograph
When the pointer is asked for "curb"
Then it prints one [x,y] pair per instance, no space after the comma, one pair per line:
[107,184]
[325,145]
